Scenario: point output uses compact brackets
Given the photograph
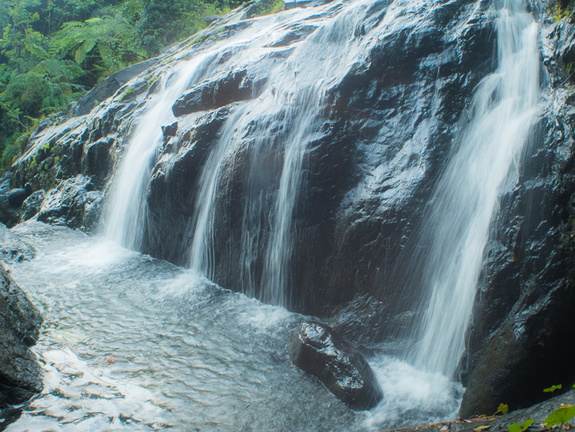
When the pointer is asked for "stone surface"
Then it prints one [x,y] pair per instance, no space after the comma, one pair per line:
[343,370]
[32,205]
[19,329]
[12,249]
[386,132]
[234,87]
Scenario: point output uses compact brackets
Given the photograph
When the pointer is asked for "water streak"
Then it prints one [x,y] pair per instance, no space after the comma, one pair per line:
[484,165]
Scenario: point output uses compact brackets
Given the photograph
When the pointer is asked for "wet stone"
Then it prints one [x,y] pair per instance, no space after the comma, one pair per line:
[343,370]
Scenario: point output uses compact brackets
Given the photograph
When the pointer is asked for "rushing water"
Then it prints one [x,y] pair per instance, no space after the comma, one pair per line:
[130,343]
[133,343]
[484,165]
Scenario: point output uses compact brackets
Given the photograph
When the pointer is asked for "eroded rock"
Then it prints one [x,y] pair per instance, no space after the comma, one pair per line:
[20,325]
[343,370]
[234,87]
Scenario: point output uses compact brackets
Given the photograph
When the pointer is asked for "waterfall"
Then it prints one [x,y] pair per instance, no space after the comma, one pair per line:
[124,218]
[484,165]
[283,120]
[125,211]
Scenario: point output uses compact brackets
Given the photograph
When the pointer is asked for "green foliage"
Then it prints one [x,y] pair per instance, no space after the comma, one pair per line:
[520,427]
[560,416]
[560,9]
[553,388]
[52,51]
[265,7]
[502,409]
[100,46]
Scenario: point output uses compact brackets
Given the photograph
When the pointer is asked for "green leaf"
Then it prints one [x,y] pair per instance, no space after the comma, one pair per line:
[502,408]
[520,427]
[553,388]
[560,416]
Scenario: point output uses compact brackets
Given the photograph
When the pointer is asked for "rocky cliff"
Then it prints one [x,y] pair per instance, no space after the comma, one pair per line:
[20,326]
[384,133]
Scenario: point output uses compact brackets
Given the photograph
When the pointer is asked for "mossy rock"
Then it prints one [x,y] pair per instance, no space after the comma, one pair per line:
[264,7]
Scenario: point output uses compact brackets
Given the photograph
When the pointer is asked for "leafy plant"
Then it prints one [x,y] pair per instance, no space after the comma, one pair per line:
[520,427]
[560,416]
[553,388]
[502,409]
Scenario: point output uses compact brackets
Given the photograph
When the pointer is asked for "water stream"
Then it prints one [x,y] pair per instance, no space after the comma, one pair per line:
[131,343]
[485,164]
[135,343]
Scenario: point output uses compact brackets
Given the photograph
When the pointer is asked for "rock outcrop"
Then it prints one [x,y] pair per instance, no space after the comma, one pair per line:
[343,370]
[386,128]
[20,325]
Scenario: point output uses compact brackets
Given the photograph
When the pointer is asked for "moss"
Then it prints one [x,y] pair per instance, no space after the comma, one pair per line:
[264,7]
[126,95]
[560,9]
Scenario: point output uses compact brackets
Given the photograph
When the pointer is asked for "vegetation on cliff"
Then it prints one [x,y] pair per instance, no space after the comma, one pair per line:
[53,51]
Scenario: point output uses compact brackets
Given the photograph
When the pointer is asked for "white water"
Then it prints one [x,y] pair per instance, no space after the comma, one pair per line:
[130,343]
[466,200]
[485,164]
[125,211]
[124,217]
[293,101]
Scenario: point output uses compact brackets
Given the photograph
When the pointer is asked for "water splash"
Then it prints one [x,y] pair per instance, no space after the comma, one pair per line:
[484,165]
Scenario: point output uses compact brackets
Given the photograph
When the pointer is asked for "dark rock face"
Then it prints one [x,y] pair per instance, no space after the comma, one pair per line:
[72,203]
[235,87]
[20,325]
[384,134]
[17,196]
[344,371]
[522,338]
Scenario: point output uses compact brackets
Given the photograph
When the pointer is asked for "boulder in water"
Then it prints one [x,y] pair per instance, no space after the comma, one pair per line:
[343,370]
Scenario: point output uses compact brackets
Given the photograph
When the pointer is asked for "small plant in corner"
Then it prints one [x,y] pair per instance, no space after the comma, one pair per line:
[560,416]
[520,427]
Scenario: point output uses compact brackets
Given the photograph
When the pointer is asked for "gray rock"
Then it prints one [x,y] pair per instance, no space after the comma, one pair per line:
[32,205]
[234,87]
[343,370]
[72,203]
[17,196]
[20,324]
[12,249]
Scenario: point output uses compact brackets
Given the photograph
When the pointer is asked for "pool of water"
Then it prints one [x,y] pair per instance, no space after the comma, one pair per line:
[131,343]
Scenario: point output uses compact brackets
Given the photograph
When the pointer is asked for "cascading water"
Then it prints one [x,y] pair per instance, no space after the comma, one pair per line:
[125,212]
[293,102]
[274,132]
[485,164]
[124,217]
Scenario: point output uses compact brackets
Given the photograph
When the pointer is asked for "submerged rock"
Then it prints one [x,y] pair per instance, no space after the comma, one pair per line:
[343,370]
[19,329]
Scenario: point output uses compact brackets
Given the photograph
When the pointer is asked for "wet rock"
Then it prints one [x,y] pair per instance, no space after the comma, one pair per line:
[73,203]
[32,205]
[212,18]
[12,249]
[20,324]
[109,86]
[17,196]
[343,370]
[235,87]
[8,214]
[170,130]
